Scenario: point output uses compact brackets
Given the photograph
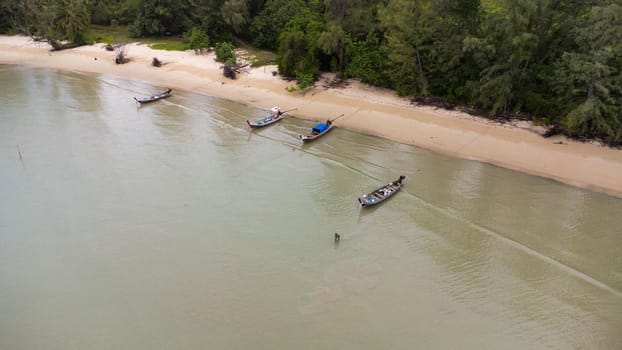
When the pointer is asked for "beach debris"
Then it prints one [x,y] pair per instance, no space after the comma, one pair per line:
[120,57]
[112,47]
[552,131]
[232,70]
[58,45]
[156,62]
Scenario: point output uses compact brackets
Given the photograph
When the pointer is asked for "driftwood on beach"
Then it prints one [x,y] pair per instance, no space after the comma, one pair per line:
[58,45]
[552,131]
[120,57]
[231,70]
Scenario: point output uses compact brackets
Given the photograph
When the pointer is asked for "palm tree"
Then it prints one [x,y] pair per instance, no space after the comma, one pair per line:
[71,18]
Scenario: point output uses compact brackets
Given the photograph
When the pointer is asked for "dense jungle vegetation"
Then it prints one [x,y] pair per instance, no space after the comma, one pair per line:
[558,62]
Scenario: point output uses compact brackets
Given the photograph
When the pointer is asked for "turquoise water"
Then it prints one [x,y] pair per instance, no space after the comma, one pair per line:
[174,226]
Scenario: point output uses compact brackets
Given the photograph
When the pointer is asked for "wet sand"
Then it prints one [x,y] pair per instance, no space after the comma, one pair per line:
[366,109]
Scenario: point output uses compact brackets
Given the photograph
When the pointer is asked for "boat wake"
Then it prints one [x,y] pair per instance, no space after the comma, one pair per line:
[519,246]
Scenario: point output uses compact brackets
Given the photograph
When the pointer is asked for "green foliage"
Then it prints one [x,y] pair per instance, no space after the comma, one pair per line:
[355,17]
[158,17]
[589,78]
[100,39]
[198,40]
[99,33]
[114,12]
[7,11]
[225,52]
[109,34]
[256,56]
[235,14]
[405,36]
[71,19]
[365,60]
[298,55]
[332,42]
[53,19]
[511,42]
[170,46]
[266,26]
[451,66]
[262,58]
[206,14]
[305,80]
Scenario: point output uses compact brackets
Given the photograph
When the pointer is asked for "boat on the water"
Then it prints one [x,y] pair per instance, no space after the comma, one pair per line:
[383,193]
[258,123]
[155,97]
[317,131]
[275,115]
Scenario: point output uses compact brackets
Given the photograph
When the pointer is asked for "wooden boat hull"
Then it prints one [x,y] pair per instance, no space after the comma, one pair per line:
[318,131]
[311,137]
[381,194]
[154,98]
[259,123]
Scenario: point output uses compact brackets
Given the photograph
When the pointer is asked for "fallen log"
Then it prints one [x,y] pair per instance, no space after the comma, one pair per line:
[58,46]
[232,70]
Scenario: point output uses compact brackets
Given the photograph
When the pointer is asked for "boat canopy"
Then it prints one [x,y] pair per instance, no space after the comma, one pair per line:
[320,128]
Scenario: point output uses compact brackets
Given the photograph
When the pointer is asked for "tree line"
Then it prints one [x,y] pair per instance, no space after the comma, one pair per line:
[558,62]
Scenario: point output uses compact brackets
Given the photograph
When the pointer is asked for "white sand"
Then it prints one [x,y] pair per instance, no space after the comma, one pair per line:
[367,109]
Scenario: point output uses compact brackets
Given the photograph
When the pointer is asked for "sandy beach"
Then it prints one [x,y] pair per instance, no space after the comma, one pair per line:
[366,109]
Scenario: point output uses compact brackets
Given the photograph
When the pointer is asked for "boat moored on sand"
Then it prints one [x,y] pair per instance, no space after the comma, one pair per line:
[274,117]
[154,98]
[317,131]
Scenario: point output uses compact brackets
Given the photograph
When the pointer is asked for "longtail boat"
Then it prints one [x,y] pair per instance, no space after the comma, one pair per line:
[258,123]
[381,194]
[155,97]
[274,117]
[317,131]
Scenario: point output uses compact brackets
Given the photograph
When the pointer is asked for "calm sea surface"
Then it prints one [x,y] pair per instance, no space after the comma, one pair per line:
[174,227]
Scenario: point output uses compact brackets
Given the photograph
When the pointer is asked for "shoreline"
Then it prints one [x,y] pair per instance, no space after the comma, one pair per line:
[366,109]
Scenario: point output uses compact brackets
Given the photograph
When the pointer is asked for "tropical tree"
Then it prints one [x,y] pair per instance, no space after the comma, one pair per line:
[355,17]
[267,25]
[332,42]
[235,14]
[365,60]
[31,17]
[111,12]
[590,76]
[7,13]
[298,54]
[449,68]
[71,19]
[405,32]
[509,43]
[158,17]
[198,40]
[52,19]
[225,52]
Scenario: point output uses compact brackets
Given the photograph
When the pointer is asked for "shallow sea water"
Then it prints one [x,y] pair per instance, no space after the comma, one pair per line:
[172,226]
